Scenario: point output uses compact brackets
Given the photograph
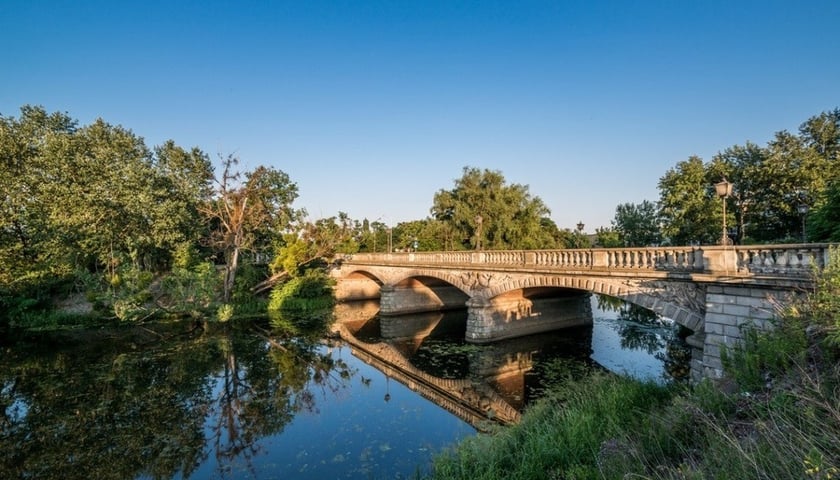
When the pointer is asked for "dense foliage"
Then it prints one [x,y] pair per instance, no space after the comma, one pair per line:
[91,211]
[776,189]
[637,225]
[303,303]
[483,212]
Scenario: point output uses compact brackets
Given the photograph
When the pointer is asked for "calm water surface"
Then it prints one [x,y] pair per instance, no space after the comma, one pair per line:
[238,403]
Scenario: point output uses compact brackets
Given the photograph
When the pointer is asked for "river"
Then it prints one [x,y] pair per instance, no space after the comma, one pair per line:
[176,401]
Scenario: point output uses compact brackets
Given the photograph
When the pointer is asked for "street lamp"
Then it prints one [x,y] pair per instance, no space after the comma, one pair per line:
[723,190]
[478,220]
[803,211]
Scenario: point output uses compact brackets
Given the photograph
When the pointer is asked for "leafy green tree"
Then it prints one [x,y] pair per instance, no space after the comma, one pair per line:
[688,209]
[100,190]
[377,239]
[577,239]
[821,133]
[430,235]
[182,185]
[31,248]
[313,242]
[637,224]
[824,222]
[249,214]
[483,211]
[743,166]
[608,237]
[789,176]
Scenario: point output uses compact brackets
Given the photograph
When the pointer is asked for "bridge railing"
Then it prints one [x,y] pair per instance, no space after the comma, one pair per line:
[797,260]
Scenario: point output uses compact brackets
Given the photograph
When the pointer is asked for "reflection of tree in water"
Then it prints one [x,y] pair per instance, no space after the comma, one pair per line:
[262,386]
[677,359]
[640,328]
[643,329]
[98,408]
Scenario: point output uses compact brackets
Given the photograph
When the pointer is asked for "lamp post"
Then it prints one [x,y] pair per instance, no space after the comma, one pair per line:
[389,240]
[478,221]
[723,190]
[803,211]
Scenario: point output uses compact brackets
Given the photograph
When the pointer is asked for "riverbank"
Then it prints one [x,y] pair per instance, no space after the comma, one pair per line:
[609,427]
[775,415]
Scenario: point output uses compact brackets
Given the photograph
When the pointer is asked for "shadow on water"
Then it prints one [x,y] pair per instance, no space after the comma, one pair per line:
[506,376]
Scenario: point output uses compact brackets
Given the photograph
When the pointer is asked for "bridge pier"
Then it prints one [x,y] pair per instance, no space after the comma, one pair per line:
[507,317]
[729,309]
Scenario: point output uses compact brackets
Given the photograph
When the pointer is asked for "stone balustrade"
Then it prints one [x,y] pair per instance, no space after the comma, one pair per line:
[797,260]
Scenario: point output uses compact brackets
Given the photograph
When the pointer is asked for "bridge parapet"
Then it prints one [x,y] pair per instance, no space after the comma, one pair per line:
[793,261]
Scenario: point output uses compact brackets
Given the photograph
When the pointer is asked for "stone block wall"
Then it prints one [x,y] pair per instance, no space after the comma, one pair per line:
[729,309]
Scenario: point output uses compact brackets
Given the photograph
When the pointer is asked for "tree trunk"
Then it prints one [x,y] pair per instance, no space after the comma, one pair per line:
[230,273]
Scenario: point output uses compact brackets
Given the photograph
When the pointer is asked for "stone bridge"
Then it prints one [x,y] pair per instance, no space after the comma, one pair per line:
[713,291]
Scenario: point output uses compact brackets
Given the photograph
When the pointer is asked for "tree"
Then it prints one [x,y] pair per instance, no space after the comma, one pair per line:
[742,165]
[607,237]
[248,215]
[637,224]
[484,212]
[824,222]
[821,133]
[314,241]
[424,232]
[687,207]
[30,247]
[183,184]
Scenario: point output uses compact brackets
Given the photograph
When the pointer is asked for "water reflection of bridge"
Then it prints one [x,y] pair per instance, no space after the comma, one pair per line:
[492,390]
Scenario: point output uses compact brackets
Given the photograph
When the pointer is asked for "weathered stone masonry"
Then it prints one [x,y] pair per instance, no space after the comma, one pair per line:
[712,291]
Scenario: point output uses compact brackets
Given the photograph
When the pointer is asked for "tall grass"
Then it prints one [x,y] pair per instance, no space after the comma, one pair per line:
[572,433]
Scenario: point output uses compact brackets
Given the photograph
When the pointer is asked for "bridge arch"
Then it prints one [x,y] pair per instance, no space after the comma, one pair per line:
[444,276]
[655,296]
[358,284]
[418,290]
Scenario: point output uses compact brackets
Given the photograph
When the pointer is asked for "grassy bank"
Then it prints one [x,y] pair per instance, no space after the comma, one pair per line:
[776,415]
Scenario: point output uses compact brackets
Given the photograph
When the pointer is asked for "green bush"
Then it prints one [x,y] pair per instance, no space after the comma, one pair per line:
[190,291]
[303,303]
[823,306]
[764,354]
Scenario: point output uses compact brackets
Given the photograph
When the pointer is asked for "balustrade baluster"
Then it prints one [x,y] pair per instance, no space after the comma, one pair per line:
[808,259]
[742,260]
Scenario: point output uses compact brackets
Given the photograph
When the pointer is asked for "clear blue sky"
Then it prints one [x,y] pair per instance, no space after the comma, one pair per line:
[372,107]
